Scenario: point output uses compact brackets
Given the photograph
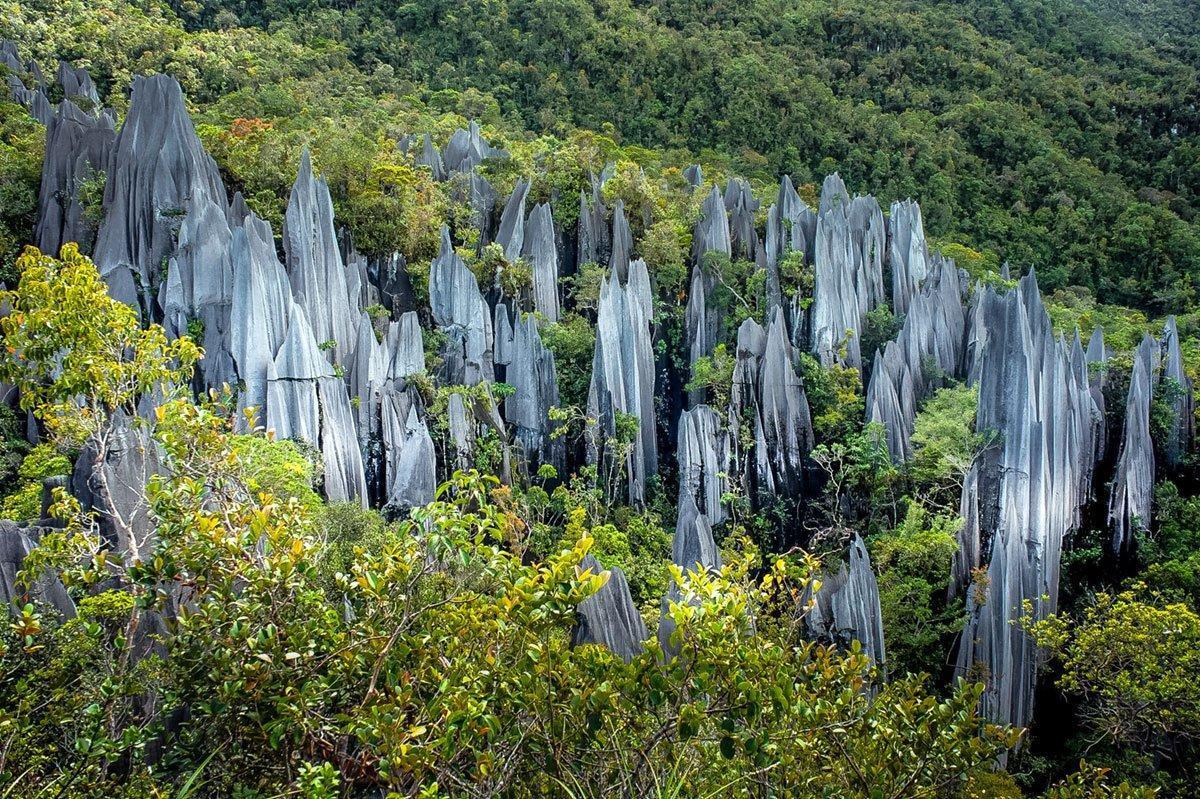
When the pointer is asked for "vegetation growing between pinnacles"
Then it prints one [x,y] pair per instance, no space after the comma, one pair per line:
[406,526]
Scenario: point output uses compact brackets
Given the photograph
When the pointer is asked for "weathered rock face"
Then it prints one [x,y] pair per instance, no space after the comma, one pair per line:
[712,231]
[33,98]
[692,550]
[623,374]
[702,324]
[532,375]
[908,254]
[928,351]
[110,478]
[847,605]
[741,206]
[791,227]
[541,254]
[848,260]
[158,177]
[411,466]
[430,158]
[622,243]
[595,244]
[1024,491]
[321,284]
[609,617]
[1132,495]
[704,462]
[1177,388]
[48,590]
[467,149]
[511,235]
[78,147]
[345,479]
[785,434]
[460,310]
[261,305]
[1096,357]
[293,410]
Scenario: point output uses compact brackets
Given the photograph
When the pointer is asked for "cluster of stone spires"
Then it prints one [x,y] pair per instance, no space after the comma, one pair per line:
[295,337]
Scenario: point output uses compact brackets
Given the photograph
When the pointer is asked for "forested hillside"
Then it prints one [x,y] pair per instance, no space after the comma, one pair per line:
[589,399]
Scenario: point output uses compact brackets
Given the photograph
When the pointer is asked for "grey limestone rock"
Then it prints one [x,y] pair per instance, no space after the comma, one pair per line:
[1177,388]
[622,243]
[704,464]
[623,375]
[511,235]
[846,607]
[159,176]
[293,410]
[908,254]
[430,157]
[711,233]
[532,375]
[609,617]
[78,148]
[541,255]
[595,243]
[321,284]
[459,309]
[47,590]
[345,479]
[1023,494]
[411,465]
[1133,484]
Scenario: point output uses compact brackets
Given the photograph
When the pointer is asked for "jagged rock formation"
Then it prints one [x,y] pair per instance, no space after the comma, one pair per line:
[928,351]
[321,284]
[741,206]
[159,175]
[595,243]
[1096,357]
[908,254]
[47,590]
[79,145]
[768,394]
[712,231]
[1024,491]
[542,256]
[261,305]
[846,607]
[1177,388]
[848,260]
[791,226]
[1133,484]
[621,243]
[532,375]
[411,466]
[692,549]
[460,310]
[702,324]
[703,455]
[623,374]
[511,235]
[609,617]
[110,478]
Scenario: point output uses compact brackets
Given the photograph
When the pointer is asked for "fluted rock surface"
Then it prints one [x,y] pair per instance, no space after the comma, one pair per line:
[511,235]
[158,176]
[541,255]
[609,617]
[532,375]
[623,375]
[703,455]
[908,254]
[846,607]
[47,590]
[1177,389]
[459,309]
[1132,495]
[711,233]
[79,145]
[110,479]
[1023,494]
[411,466]
[321,284]
[595,243]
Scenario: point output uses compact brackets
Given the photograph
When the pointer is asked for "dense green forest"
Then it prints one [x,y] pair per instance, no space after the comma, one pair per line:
[268,640]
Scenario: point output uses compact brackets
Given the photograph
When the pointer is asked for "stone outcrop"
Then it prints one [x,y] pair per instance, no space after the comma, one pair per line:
[46,590]
[411,465]
[609,617]
[541,255]
[595,242]
[511,235]
[534,380]
[159,176]
[704,463]
[79,145]
[460,311]
[623,374]
[1132,495]
[908,254]
[711,233]
[321,284]
[1177,389]
[1024,492]
[846,607]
